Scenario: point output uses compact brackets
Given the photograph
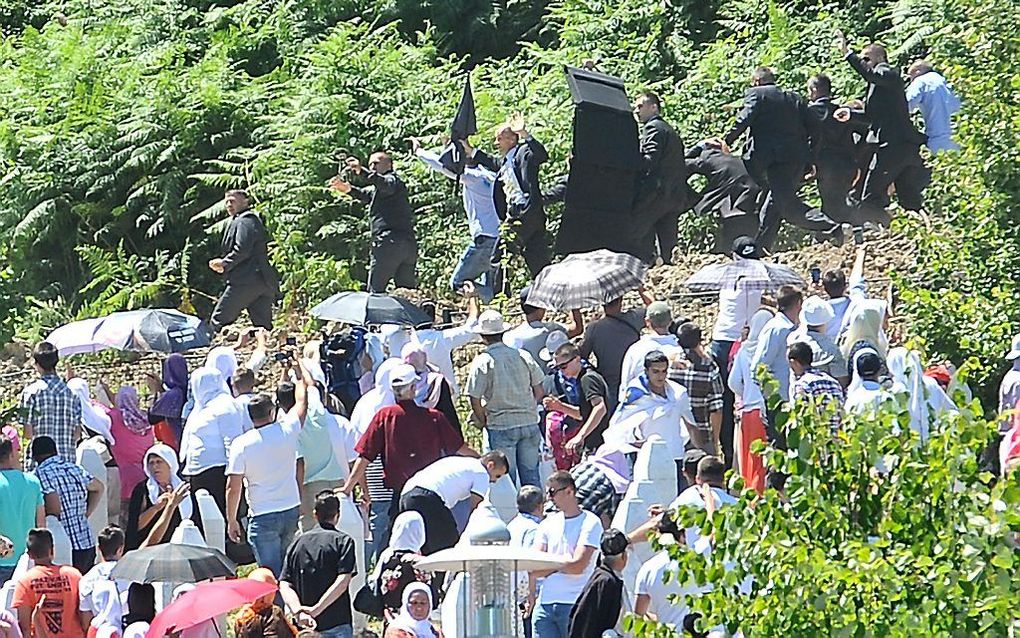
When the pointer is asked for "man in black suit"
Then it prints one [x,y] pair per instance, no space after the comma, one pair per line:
[833,151]
[394,252]
[897,160]
[252,282]
[661,191]
[518,193]
[778,154]
[729,191]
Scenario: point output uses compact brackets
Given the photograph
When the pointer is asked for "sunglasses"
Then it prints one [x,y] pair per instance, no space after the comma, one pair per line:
[553,491]
[561,366]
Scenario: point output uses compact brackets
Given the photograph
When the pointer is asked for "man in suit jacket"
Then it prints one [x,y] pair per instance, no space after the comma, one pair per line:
[394,252]
[518,192]
[833,150]
[252,282]
[729,191]
[897,160]
[778,154]
[661,192]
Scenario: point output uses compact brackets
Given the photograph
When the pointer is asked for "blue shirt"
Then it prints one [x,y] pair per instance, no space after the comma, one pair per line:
[20,499]
[930,94]
[771,351]
[478,183]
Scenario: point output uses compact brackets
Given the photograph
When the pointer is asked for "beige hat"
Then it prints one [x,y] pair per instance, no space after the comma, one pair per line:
[491,323]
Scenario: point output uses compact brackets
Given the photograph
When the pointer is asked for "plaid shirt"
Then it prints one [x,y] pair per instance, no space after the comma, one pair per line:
[704,386]
[52,410]
[70,483]
[822,391]
[502,378]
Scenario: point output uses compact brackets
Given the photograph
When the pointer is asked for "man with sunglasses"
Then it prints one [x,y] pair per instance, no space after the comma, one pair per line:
[897,160]
[571,532]
[578,391]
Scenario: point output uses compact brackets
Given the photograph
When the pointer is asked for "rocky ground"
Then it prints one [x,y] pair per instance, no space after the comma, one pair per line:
[886,253]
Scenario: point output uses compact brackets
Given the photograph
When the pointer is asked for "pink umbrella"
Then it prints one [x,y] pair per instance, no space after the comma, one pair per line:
[207,600]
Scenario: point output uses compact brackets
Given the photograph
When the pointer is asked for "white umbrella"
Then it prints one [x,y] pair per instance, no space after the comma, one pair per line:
[458,559]
[150,330]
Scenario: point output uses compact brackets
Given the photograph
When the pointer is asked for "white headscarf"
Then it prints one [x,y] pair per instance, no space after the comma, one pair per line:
[224,359]
[375,399]
[865,324]
[91,417]
[166,453]
[206,385]
[908,378]
[407,622]
[408,534]
[754,328]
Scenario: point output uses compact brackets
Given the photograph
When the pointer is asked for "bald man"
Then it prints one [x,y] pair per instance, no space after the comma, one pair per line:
[897,160]
[394,252]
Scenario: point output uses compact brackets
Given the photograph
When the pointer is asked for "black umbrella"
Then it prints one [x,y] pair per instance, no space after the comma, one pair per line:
[173,563]
[366,308]
[464,125]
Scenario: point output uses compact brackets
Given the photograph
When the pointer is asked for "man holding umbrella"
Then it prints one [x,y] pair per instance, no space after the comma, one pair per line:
[252,282]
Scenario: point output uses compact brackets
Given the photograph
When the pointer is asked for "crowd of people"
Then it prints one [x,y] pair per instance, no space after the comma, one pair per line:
[563,409]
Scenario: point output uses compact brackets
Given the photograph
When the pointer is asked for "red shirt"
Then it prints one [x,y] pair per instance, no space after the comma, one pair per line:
[409,438]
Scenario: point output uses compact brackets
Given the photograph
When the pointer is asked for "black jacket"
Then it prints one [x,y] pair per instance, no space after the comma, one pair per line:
[598,607]
[727,179]
[389,209]
[662,152]
[527,159]
[780,124]
[886,104]
[834,140]
[245,253]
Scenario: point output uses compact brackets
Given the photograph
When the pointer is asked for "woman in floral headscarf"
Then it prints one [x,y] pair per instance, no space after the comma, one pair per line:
[396,569]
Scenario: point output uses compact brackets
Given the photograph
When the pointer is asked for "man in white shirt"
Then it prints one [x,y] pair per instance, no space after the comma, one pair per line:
[477,189]
[575,535]
[866,393]
[98,595]
[710,479]
[771,350]
[264,461]
[841,296]
[440,344]
[435,490]
[665,601]
[533,332]
[658,318]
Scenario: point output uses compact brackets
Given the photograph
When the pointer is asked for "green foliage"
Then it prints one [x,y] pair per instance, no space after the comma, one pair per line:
[878,534]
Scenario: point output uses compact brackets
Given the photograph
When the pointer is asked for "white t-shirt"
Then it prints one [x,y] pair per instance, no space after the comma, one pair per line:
[267,457]
[453,478]
[634,359]
[649,582]
[866,397]
[439,346]
[691,497]
[561,536]
[736,305]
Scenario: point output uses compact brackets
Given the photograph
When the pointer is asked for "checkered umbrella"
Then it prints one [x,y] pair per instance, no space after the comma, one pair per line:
[588,279]
[753,274]
[173,563]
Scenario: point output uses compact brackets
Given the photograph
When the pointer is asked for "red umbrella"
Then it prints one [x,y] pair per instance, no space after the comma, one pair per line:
[207,600]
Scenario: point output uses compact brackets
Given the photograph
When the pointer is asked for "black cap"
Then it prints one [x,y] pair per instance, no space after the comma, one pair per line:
[868,363]
[692,457]
[745,247]
[614,542]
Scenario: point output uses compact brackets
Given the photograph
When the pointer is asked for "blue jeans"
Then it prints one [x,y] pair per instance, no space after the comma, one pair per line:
[378,526]
[270,535]
[343,631]
[521,446]
[551,620]
[476,265]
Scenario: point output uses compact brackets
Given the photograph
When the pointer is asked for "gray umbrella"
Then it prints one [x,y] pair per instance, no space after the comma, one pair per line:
[366,308]
[173,563]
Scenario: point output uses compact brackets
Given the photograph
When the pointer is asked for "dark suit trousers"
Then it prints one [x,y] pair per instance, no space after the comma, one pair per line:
[666,231]
[255,297]
[533,242]
[835,176]
[896,164]
[392,258]
[781,202]
[655,216]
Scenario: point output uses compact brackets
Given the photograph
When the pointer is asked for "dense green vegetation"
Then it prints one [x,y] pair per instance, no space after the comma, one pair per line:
[122,122]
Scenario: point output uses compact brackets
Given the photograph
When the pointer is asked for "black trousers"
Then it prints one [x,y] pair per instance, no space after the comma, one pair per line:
[440,526]
[255,297]
[392,258]
[83,559]
[835,176]
[530,239]
[782,203]
[720,351]
[898,165]
[666,231]
[656,216]
[214,480]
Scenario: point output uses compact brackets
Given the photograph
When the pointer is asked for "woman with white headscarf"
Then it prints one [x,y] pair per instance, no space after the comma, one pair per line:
[395,568]
[150,497]
[215,422]
[865,327]
[750,403]
[94,416]
[925,399]
[413,620]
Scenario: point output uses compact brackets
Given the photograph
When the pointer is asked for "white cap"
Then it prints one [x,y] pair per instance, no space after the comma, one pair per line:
[1014,352]
[402,375]
[816,312]
[491,322]
[553,341]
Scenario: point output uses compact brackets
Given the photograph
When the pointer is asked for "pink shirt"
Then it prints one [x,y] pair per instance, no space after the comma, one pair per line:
[129,451]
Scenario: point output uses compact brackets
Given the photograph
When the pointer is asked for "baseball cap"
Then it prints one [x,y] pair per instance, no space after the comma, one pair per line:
[659,314]
[745,247]
[868,363]
[553,341]
[403,374]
